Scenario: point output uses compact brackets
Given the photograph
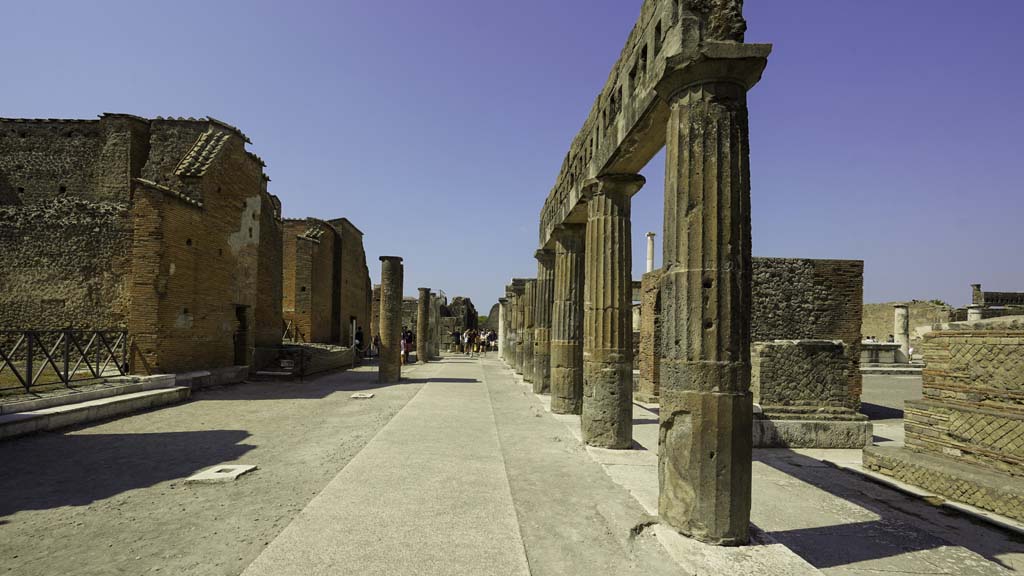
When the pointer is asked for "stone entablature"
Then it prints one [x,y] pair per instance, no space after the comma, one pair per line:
[625,127]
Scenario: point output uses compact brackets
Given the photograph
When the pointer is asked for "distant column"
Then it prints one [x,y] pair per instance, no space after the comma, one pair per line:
[518,288]
[544,292]
[607,417]
[567,320]
[423,326]
[650,252]
[974,313]
[391,278]
[502,331]
[901,330]
[529,295]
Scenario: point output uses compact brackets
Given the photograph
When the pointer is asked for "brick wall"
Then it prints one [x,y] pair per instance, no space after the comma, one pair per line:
[801,373]
[355,288]
[973,399]
[805,299]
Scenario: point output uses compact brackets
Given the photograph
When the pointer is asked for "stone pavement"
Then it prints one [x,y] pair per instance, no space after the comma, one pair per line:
[474,476]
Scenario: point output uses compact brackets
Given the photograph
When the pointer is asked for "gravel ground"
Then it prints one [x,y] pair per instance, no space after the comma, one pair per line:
[109,498]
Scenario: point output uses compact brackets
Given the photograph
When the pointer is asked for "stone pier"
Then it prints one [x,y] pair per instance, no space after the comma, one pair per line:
[706,408]
[647,385]
[391,278]
[423,326]
[543,294]
[901,331]
[502,328]
[529,293]
[567,321]
[607,416]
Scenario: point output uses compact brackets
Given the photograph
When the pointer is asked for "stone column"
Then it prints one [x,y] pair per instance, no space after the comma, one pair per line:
[901,331]
[502,331]
[543,293]
[607,415]
[704,453]
[567,320]
[528,318]
[974,313]
[518,288]
[423,326]
[389,369]
[650,252]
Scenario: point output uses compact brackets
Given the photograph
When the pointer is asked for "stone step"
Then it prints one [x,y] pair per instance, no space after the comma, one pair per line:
[21,423]
[893,370]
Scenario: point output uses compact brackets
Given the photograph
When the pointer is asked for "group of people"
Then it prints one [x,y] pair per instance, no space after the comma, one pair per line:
[473,341]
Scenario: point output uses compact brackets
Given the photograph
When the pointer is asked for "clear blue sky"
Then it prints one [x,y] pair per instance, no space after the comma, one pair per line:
[884,131]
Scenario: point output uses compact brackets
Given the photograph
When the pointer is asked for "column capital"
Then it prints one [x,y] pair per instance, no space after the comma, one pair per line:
[390,258]
[424,290]
[715,62]
[612,185]
[545,257]
[651,234]
[502,300]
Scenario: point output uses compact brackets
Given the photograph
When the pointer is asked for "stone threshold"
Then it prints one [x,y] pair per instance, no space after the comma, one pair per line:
[53,418]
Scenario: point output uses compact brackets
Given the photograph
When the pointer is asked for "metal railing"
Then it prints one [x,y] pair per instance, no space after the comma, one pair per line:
[42,357]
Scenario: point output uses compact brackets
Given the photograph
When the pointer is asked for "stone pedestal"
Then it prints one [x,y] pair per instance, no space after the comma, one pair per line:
[567,321]
[529,292]
[423,326]
[607,415]
[901,331]
[704,449]
[543,294]
[974,313]
[389,369]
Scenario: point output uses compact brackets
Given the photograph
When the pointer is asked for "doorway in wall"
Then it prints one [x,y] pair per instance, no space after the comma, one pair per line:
[241,335]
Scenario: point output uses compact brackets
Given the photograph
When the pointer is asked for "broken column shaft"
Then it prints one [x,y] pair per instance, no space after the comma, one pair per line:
[607,415]
[391,277]
[567,320]
[543,293]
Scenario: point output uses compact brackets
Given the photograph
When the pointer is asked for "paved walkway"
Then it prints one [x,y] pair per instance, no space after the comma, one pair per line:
[474,476]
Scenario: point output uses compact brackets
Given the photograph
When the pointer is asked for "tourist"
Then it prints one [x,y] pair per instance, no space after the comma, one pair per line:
[359,342]
[457,340]
[483,343]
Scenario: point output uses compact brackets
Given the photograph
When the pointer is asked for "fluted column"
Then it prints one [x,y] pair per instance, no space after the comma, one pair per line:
[528,320]
[567,320]
[423,326]
[389,369]
[705,432]
[543,293]
[607,417]
[502,329]
[518,288]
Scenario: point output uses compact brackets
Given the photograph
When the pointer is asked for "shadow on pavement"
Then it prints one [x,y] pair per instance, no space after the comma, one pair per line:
[877,412]
[893,534]
[53,470]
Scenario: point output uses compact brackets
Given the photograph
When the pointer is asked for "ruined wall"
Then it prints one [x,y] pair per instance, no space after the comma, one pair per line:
[878,318]
[374,313]
[269,291]
[973,399]
[647,386]
[809,374]
[355,287]
[805,299]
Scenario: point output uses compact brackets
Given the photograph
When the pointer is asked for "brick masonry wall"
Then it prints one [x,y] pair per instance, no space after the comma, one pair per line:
[805,299]
[269,289]
[973,399]
[355,289]
[647,385]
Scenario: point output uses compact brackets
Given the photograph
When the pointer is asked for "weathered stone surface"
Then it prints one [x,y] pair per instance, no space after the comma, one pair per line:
[648,384]
[901,331]
[391,280]
[518,317]
[607,414]
[567,320]
[423,326]
[706,408]
[543,295]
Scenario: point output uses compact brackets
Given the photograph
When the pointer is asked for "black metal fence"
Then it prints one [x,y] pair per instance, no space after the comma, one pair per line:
[30,358]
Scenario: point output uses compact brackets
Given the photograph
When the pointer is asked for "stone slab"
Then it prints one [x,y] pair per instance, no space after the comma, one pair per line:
[21,423]
[220,474]
[775,433]
[896,370]
[763,557]
[949,478]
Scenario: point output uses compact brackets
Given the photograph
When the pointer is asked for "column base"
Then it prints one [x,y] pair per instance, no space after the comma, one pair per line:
[607,414]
